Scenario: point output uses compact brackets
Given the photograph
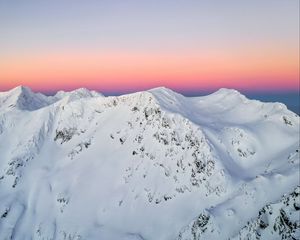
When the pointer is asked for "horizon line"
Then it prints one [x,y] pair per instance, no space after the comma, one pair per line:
[184,91]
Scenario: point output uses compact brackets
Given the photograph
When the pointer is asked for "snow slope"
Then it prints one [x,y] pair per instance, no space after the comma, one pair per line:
[149,165]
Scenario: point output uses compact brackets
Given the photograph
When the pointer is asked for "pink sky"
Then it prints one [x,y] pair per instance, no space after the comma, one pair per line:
[273,69]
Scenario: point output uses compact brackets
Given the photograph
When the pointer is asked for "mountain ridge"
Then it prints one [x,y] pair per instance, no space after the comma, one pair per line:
[76,167]
[84,92]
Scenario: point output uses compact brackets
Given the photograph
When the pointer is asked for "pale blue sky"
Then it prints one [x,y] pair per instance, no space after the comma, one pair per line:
[37,24]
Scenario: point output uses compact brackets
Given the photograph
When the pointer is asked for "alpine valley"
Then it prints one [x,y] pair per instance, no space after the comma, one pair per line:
[151,165]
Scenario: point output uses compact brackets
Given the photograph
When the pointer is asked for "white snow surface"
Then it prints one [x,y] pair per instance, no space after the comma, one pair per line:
[78,165]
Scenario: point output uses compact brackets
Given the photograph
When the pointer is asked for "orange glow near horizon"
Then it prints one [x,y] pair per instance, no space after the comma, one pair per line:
[250,69]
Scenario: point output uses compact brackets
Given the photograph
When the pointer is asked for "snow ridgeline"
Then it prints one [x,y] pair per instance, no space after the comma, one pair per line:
[148,165]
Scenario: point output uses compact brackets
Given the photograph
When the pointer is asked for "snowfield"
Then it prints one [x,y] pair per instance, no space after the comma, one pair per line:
[152,165]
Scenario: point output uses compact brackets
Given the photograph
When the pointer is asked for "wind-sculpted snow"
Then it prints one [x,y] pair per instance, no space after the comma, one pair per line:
[275,220]
[279,220]
[148,165]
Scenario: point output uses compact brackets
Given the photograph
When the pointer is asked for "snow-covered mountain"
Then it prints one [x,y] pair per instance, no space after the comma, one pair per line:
[150,165]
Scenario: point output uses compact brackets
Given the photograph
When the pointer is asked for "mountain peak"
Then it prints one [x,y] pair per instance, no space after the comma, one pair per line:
[228,91]
[23,98]
[162,90]
[77,94]
[228,95]
[21,90]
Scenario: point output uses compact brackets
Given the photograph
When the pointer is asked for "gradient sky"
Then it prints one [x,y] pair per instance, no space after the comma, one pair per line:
[128,45]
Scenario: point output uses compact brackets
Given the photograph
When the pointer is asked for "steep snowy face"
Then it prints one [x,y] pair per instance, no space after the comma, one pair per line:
[247,134]
[148,165]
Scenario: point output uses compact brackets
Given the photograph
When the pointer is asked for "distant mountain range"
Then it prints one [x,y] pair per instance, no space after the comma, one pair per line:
[151,165]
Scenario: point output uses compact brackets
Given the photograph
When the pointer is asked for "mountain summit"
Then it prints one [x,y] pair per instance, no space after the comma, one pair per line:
[149,165]
[22,98]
